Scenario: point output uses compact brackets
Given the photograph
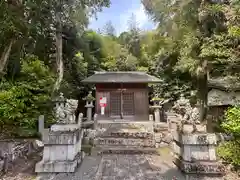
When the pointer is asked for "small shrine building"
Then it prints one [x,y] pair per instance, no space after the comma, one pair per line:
[122,95]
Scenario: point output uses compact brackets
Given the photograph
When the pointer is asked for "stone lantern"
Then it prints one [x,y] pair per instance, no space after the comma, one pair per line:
[157,106]
[89,105]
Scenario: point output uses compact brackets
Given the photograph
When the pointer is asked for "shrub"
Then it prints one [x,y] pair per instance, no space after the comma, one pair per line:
[230,151]
[25,98]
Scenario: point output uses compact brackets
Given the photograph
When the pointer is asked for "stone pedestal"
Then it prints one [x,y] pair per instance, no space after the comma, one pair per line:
[62,149]
[195,153]
[150,117]
[95,124]
[89,106]
[157,113]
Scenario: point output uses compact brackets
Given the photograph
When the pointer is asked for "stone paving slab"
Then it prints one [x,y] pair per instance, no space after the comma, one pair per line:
[127,167]
[138,167]
[86,171]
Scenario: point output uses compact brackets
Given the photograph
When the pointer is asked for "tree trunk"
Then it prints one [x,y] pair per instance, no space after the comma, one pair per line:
[59,60]
[202,75]
[5,55]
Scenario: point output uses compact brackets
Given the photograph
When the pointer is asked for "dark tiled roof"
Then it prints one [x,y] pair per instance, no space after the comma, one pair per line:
[121,77]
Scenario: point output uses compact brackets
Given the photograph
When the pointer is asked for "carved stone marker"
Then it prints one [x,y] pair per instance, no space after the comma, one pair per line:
[62,142]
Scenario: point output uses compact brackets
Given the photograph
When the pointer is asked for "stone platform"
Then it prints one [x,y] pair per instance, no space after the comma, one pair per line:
[62,149]
[124,137]
[196,153]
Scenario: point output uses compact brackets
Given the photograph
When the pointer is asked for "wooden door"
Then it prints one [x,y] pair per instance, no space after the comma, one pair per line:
[121,104]
[128,103]
[115,103]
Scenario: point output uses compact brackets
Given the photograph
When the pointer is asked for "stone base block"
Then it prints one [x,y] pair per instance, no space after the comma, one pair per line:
[190,152]
[200,167]
[61,152]
[58,166]
[71,137]
[64,127]
[196,139]
[187,128]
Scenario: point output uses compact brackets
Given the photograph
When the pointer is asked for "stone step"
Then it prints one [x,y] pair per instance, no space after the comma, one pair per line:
[124,142]
[123,150]
[146,126]
[127,134]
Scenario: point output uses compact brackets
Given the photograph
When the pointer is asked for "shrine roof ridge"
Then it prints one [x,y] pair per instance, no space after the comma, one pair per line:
[121,77]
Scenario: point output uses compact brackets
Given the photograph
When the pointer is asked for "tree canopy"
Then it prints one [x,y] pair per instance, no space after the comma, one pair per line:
[195,40]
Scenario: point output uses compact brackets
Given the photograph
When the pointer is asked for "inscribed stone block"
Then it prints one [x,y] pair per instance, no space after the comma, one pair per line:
[203,138]
[64,127]
[61,138]
[193,153]
[60,152]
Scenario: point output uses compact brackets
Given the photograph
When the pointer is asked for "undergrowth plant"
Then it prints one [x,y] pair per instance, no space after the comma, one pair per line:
[230,151]
[23,100]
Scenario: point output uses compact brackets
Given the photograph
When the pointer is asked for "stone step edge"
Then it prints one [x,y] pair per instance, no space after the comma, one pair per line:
[123,150]
[132,136]
[121,138]
[97,142]
[123,146]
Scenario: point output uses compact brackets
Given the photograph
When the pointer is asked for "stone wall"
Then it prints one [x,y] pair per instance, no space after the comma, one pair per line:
[11,150]
[162,135]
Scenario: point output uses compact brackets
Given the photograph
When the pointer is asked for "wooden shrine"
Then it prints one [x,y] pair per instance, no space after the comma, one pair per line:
[122,95]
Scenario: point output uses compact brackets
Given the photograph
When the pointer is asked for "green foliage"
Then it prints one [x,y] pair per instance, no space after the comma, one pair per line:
[23,100]
[204,42]
[75,73]
[230,151]
[89,97]
[232,122]
[193,39]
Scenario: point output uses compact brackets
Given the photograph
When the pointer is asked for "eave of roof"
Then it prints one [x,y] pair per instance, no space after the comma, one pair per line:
[122,77]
